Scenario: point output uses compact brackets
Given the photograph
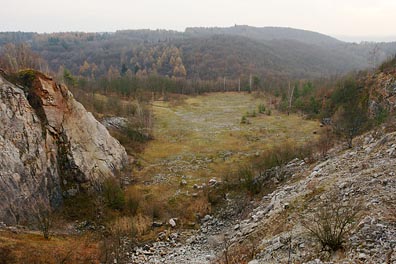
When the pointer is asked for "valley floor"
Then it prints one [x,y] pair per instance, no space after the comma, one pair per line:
[201,138]
[273,231]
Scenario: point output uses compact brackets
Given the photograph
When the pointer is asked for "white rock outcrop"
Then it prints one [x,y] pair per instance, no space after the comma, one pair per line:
[49,144]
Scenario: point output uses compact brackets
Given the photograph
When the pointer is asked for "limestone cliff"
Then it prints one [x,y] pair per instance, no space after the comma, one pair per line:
[50,146]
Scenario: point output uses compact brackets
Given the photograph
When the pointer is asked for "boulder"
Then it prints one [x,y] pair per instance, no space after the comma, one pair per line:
[172,222]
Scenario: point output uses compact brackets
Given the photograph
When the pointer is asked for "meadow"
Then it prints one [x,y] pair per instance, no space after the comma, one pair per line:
[200,138]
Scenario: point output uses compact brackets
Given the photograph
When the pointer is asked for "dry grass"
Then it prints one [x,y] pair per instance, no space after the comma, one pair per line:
[207,125]
[32,248]
[200,138]
[123,226]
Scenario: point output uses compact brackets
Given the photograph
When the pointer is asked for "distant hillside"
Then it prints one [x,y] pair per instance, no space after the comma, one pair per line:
[204,53]
[224,55]
[268,33]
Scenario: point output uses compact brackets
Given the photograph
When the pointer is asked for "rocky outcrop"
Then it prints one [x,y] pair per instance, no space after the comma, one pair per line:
[382,92]
[50,146]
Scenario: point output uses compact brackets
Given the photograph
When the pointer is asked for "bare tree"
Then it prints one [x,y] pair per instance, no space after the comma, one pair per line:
[291,92]
[226,248]
[326,140]
[44,219]
[15,57]
[374,56]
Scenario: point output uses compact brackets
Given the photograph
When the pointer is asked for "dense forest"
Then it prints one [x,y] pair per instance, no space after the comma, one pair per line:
[215,54]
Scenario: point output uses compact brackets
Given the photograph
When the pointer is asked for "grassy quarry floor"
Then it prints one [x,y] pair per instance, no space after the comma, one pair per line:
[201,138]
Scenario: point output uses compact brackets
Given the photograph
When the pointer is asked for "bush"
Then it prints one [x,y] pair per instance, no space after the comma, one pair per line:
[98,104]
[216,195]
[114,105]
[332,222]
[251,114]
[349,122]
[325,142]
[381,117]
[44,220]
[83,206]
[123,226]
[261,108]
[132,204]
[133,134]
[246,177]
[113,194]
[389,64]
[349,103]
[278,156]
[242,179]
[6,255]
[244,120]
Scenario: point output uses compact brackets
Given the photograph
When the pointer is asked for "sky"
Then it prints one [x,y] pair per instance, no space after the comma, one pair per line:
[351,20]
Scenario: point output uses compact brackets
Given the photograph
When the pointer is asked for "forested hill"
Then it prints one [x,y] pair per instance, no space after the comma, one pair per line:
[267,33]
[203,53]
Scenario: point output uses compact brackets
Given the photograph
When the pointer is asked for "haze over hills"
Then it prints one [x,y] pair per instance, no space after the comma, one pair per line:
[205,53]
[267,33]
[358,39]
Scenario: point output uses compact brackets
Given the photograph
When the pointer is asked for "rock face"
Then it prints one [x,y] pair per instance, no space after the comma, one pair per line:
[49,145]
[382,92]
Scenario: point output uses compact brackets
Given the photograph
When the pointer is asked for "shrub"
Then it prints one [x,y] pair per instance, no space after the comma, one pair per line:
[243,179]
[82,206]
[389,64]
[261,108]
[43,218]
[350,109]
[349,122]
[114,105]
[244,120]
[132,204]
[332,222]
[132,133]
[277,156]
[113,194]
[26,77]
[44,221]
[6,255]
[215,196]
[98,104]
[325,142]
[280,155]
[123,226]
[381,116]
[251,114]
[246,177]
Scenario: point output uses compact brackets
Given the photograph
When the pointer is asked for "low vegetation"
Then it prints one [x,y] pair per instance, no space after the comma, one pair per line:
[388,65]
[333,221]
[136,129]
[30,247]
[44,219]
[200,138]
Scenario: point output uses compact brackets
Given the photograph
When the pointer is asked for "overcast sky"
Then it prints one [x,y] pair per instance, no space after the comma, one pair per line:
[353,19]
